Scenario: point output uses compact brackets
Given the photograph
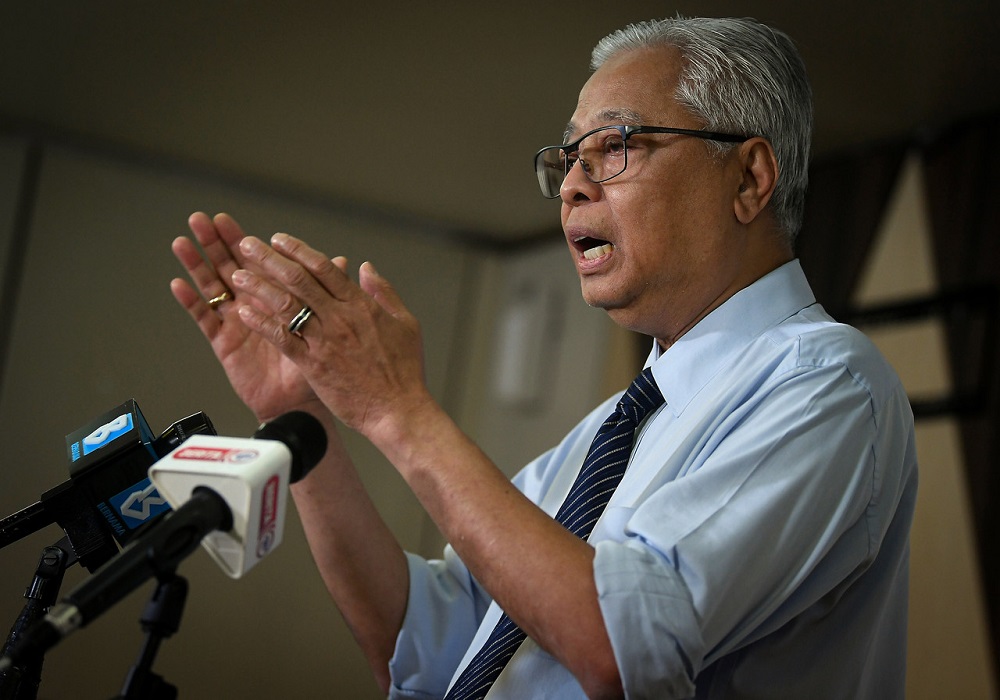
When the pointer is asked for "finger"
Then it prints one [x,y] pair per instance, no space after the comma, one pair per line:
[310,276]
[219,237]
[273,331]
[201,272]
[230,231]
[379,289]
[191,301]
[269,298]
[203,269]
[331,274]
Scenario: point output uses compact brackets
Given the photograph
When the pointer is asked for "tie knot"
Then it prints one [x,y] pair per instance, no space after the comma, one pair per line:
[641,397]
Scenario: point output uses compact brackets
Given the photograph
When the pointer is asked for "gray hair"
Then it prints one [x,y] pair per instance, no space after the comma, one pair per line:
[740,76]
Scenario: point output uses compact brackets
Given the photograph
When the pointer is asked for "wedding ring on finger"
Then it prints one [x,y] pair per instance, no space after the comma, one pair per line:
[216,302]
[295,327]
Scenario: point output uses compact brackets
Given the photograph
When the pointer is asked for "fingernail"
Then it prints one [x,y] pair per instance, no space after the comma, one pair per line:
[240,277]
[279,240]
[246,313]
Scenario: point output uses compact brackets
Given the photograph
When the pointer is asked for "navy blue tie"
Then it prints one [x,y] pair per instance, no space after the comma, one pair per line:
[600,475]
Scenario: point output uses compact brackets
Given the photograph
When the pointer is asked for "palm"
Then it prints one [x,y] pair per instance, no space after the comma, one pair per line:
[264,379]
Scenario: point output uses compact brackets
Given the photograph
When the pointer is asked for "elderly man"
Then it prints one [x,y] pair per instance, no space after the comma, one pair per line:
[760,471]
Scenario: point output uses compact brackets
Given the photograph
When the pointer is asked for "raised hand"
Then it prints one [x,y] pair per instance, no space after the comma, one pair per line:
[360,350]
[264,379]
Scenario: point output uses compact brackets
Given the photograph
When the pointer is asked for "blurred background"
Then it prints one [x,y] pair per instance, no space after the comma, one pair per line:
[403,133]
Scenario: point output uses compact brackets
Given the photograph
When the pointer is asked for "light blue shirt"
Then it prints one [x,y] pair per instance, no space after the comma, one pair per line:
[758,544]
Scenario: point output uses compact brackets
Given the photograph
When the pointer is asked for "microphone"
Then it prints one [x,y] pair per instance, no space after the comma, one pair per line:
[108,497]
[230,491]
[251,476]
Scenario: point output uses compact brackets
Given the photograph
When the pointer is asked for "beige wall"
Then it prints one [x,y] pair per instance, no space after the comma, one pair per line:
[12,153]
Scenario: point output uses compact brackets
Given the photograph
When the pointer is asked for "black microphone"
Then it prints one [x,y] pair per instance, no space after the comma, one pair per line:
[108,497]
[232,487]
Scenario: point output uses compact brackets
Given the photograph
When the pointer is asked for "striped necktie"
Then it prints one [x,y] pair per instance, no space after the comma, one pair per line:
[602,471]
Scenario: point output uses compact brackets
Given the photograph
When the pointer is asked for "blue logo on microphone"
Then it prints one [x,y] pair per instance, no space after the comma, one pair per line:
[106,433]
[138,503]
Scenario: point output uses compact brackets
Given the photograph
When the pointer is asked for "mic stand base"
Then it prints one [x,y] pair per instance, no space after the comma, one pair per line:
[160,620]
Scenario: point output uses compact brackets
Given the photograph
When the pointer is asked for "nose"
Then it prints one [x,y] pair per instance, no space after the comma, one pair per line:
[577,188]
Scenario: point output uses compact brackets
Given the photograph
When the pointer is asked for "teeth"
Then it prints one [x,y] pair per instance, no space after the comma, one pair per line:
[596,252]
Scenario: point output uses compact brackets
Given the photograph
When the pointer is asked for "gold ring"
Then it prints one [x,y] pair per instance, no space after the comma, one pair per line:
[215,302]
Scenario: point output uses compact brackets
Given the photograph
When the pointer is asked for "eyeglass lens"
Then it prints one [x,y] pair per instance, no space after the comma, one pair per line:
[602,156]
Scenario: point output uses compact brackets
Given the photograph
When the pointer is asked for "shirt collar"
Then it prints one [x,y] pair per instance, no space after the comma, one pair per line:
[684,368]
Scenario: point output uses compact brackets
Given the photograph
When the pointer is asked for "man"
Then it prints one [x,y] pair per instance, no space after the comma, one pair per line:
[756,545]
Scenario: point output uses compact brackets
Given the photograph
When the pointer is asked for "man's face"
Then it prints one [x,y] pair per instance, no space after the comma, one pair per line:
[672,247]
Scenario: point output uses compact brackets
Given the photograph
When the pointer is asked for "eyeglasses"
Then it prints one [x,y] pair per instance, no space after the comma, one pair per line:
[603,154]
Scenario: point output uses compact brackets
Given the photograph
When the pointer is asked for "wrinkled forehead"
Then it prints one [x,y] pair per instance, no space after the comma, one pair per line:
[632,87]
[611,115]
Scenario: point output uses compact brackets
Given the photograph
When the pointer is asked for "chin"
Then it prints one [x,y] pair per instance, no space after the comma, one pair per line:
[623,317]
[620,313]
[627,315]
[596,293]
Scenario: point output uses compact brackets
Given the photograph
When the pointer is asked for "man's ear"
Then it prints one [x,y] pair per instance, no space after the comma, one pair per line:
[759,176]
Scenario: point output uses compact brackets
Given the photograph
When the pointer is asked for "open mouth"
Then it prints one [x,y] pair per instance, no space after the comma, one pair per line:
[592,248]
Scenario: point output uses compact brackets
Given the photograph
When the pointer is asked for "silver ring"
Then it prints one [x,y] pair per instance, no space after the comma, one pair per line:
[300,319]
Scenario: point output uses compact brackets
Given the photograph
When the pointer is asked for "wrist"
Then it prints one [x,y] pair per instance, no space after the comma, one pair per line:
[407,429]
[313,407]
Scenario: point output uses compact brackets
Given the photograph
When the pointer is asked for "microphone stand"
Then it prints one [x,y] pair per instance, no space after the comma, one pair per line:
[160,620]
[20,682]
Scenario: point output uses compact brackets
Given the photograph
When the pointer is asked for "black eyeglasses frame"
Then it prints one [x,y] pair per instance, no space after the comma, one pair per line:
[626,130]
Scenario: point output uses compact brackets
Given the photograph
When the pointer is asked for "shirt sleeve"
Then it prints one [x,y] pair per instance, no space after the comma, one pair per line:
[446,606]
[443,612]
[772,504]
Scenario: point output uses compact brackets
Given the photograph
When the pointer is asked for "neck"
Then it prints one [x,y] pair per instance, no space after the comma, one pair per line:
[757,265]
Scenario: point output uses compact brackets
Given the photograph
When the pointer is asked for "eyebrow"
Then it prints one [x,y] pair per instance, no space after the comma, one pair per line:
[608,116]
